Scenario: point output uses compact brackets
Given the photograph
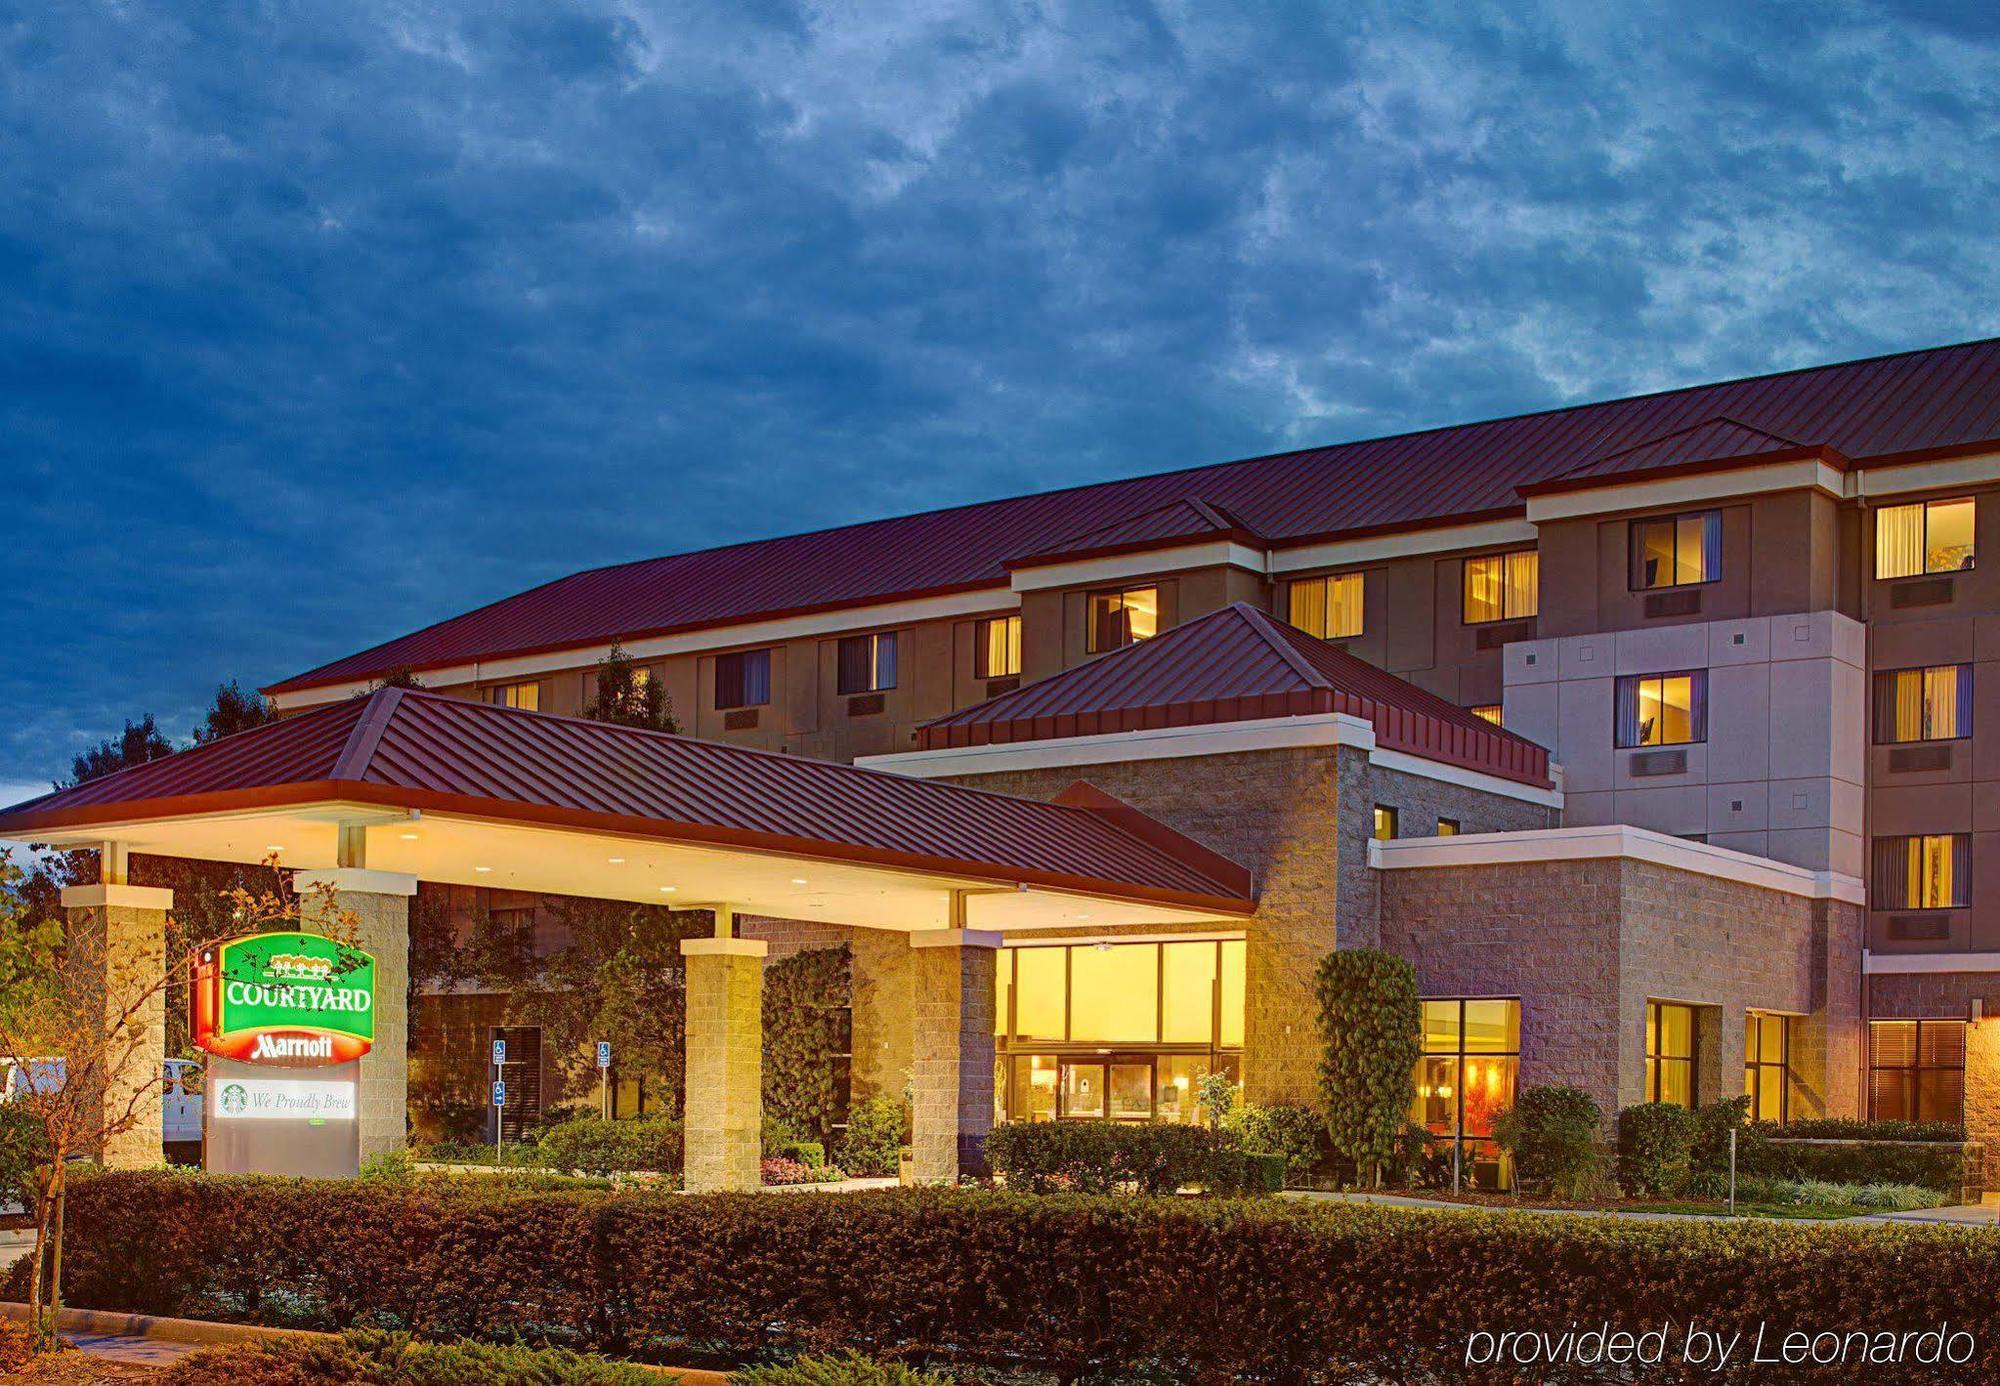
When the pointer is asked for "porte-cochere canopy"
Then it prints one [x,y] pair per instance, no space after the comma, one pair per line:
[452,790]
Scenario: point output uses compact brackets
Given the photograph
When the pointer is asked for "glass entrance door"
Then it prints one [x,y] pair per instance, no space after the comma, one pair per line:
[1120,1088]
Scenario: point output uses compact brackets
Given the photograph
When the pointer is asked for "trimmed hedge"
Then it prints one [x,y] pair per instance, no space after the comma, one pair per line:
[1104,1157]
[1277,1128]
[593,1145]
[1930,1164]
[380,1359]
[1655,1147]
[1855,1129]
[1173,1289]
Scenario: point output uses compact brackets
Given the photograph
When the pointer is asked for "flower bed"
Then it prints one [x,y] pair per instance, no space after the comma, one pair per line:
[1067,1285]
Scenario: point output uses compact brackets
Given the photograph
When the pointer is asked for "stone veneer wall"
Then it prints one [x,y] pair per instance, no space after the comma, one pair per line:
[1300,819]
[1949,996]
[882,1000]
[1585,944]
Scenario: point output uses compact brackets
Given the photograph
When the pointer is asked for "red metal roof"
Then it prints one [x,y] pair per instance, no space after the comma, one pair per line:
[1235,665]
[430,751]
[1183,522]
[1889,408]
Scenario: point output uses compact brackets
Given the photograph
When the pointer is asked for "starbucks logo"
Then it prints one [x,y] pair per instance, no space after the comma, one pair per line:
[234,1099]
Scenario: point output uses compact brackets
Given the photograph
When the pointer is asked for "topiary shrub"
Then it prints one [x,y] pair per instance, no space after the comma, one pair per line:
[1370,1022]
[1296,1133]
[1655,1147]
[848,1369]
[1552,1134]
[1107,1156]
[592,1145]
[872,1145]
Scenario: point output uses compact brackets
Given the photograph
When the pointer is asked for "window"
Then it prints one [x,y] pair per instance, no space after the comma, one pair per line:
[1489,712]
[1923,873]
[1916,1070]
[1677,551]
[743,679]
[1328,607]
[1767,1051]
[1670,1053]
[1466,1078]
[527,696]
[1119,1030]
[1928,537]
[1933,704]
[1447,827]
[1662,709]
[1385,823]
[996,647]
[868,663]
[1118,619]
[1502,587]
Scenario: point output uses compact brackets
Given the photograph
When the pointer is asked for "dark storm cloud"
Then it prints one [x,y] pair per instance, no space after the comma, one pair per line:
[322,322]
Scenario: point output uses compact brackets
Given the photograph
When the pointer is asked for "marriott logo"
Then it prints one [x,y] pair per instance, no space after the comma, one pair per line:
[293,1047]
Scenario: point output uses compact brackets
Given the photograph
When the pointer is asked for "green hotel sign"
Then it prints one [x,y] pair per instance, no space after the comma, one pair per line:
[293,1000]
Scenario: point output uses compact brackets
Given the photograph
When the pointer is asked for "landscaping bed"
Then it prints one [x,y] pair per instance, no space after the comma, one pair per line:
[1180,1289]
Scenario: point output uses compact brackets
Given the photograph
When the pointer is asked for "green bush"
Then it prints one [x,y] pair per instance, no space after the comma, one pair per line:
[1552,1134]
[1250,1173]
[1105,1156]
[389,1167]
[811,1154]
[1655,1147]
[520,1155]
[383,1359]
[1853,1129]
[848,1369]
[595,1146]
[1370,1025]
[1296,1133]
[873,1143]
[23,1146]
[1712,1125]
[1930,1164]
[1075,1288]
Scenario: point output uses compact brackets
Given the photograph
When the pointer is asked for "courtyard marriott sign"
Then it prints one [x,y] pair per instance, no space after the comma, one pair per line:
[292,1000]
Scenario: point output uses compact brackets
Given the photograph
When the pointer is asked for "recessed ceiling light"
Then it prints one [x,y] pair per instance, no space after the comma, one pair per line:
[407,837]
[1084,915]
[798,880]
[275,847]
[482,868]
[616,861]
[668,890]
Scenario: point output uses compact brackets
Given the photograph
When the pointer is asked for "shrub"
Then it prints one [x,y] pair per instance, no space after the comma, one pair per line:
[873,1144]
[1105,1156]
[1931,1164]
[1075,1288]
[517,1156]
[1249,1173]
[1712,1125]
[593,1145]
[779,1170]
[809,1153]
[1655,1147]
[1422,1161]
[1296,1133]
[1552,1134]
[367,1358]
[389,1167]
[849,1369]
[1854,1129]
[1370,1023]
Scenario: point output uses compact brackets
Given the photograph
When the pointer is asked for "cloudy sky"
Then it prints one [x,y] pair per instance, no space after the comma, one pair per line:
[320,322]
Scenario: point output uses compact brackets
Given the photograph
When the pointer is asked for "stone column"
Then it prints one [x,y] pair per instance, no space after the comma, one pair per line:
[952,1052]
[380,902]
[723,1126]
[118,938]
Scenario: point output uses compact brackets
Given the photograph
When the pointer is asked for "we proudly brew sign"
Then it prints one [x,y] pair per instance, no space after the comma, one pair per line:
[295,1000]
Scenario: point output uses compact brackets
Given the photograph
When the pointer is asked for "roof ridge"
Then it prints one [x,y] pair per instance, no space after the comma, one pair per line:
[1685,430]
[359,750]
[1279,638]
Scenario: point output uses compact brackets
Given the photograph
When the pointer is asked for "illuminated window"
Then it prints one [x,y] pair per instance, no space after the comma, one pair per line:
[1447,827]
[1916,1070]
[743,679]
[1385,823]
[1114,993]
[1488,712]
[1931,872]
[1662,709]
[1767,1048]
[1927,537]
[1328,607]
[1670,1045]
[1933,704]
[1041,993]
[868,663]
[1677,551]
[1502,587]
[1466,1078]
[996,647]
[527,696]
[1118,619]
[1187,993]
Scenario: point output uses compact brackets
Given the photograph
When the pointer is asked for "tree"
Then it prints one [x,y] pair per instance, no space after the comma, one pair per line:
[402,676]
[1369,1019]
[630,696]
[76,1013]
[803,997]
[139,743]
[233,711]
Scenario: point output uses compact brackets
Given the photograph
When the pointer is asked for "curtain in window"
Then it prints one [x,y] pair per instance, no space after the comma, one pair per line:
[1309,606]
[1899,541]
[1923,873]
[1523,584]
[1711,546]
[1698,705]
[757,678]
[1961,721]
[856,657]
[1343,607]
[1625,716]
[1485,593]
[885,660]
